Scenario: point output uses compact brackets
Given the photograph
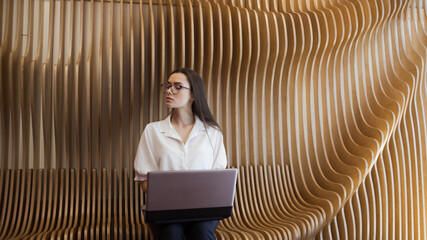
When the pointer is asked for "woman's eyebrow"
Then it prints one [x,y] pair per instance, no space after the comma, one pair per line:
[177,83]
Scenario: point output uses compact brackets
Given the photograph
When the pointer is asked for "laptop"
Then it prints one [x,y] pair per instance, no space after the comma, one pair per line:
[190,195]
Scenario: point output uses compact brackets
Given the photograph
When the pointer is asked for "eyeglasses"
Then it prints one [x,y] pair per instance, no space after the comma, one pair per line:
[176,87]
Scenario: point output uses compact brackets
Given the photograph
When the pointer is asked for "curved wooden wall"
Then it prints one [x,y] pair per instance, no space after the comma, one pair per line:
[322,103]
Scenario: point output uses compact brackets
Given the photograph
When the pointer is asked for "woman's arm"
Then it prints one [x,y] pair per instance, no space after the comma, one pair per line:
[143,186]
[220,157]
[145,160]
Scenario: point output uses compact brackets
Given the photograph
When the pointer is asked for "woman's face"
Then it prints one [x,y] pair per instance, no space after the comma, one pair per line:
[182,99]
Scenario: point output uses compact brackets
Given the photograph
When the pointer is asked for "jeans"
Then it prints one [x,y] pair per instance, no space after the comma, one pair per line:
[202,230]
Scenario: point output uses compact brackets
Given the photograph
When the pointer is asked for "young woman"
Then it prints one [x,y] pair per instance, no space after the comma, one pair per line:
[189,138]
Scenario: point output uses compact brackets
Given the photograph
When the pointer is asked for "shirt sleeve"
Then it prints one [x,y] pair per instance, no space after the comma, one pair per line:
[145,160]
[220,157]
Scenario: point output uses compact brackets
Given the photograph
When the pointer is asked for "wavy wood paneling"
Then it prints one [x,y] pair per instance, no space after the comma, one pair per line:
[322,105]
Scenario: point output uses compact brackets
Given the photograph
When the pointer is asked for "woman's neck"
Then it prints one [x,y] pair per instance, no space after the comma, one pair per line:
[181,117]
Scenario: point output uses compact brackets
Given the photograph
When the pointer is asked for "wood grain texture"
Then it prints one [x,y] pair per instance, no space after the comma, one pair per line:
[322,105]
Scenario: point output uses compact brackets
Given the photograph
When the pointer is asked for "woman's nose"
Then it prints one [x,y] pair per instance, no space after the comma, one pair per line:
[169,91]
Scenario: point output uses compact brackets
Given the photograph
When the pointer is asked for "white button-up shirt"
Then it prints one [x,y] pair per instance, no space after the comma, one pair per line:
[161,148]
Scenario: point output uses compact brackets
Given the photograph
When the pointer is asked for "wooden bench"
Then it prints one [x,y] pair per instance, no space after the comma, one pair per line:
[81,204]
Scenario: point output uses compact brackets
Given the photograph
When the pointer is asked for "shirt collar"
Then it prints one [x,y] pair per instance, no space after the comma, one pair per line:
[167,128]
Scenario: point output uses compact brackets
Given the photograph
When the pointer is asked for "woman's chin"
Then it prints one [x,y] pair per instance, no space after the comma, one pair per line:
[168,105]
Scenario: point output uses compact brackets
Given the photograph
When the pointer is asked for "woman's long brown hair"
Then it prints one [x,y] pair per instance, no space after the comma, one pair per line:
[200,105]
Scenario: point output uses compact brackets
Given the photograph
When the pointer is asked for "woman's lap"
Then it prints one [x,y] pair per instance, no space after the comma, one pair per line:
[191,230]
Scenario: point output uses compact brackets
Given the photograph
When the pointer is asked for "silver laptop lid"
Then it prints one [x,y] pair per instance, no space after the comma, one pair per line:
[190,189]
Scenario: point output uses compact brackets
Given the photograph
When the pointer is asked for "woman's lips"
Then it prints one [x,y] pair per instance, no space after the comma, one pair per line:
[168,99]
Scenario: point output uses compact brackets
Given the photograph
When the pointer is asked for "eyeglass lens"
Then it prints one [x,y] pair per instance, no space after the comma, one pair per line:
[174,87]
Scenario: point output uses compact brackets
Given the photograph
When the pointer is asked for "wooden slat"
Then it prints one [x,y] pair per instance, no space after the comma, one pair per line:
[7,204]
[45,85]
[198,37]
[259,114]
[115,207]
[209,47]
[142,68]
[225,75]
[132,133]
[151,69]
[170,54]
[51,218]
[91,227]
[35,95]
[58,93]
[105,229]
[272,30]
[4,103]
[235,151]
[121,72]
[251,100]
[188,52]
[25,64]
[76,90]
[278,86]
[127,210]
[218,55]
[243,106]
[75,203]
[88,88]
[68,83]
[180,35]
[109,205]
[60,221]
[99,91]
[161,54]
[109,68]
[14,91]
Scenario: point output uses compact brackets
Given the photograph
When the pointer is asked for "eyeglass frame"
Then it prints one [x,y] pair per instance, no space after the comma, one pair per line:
[173,87]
